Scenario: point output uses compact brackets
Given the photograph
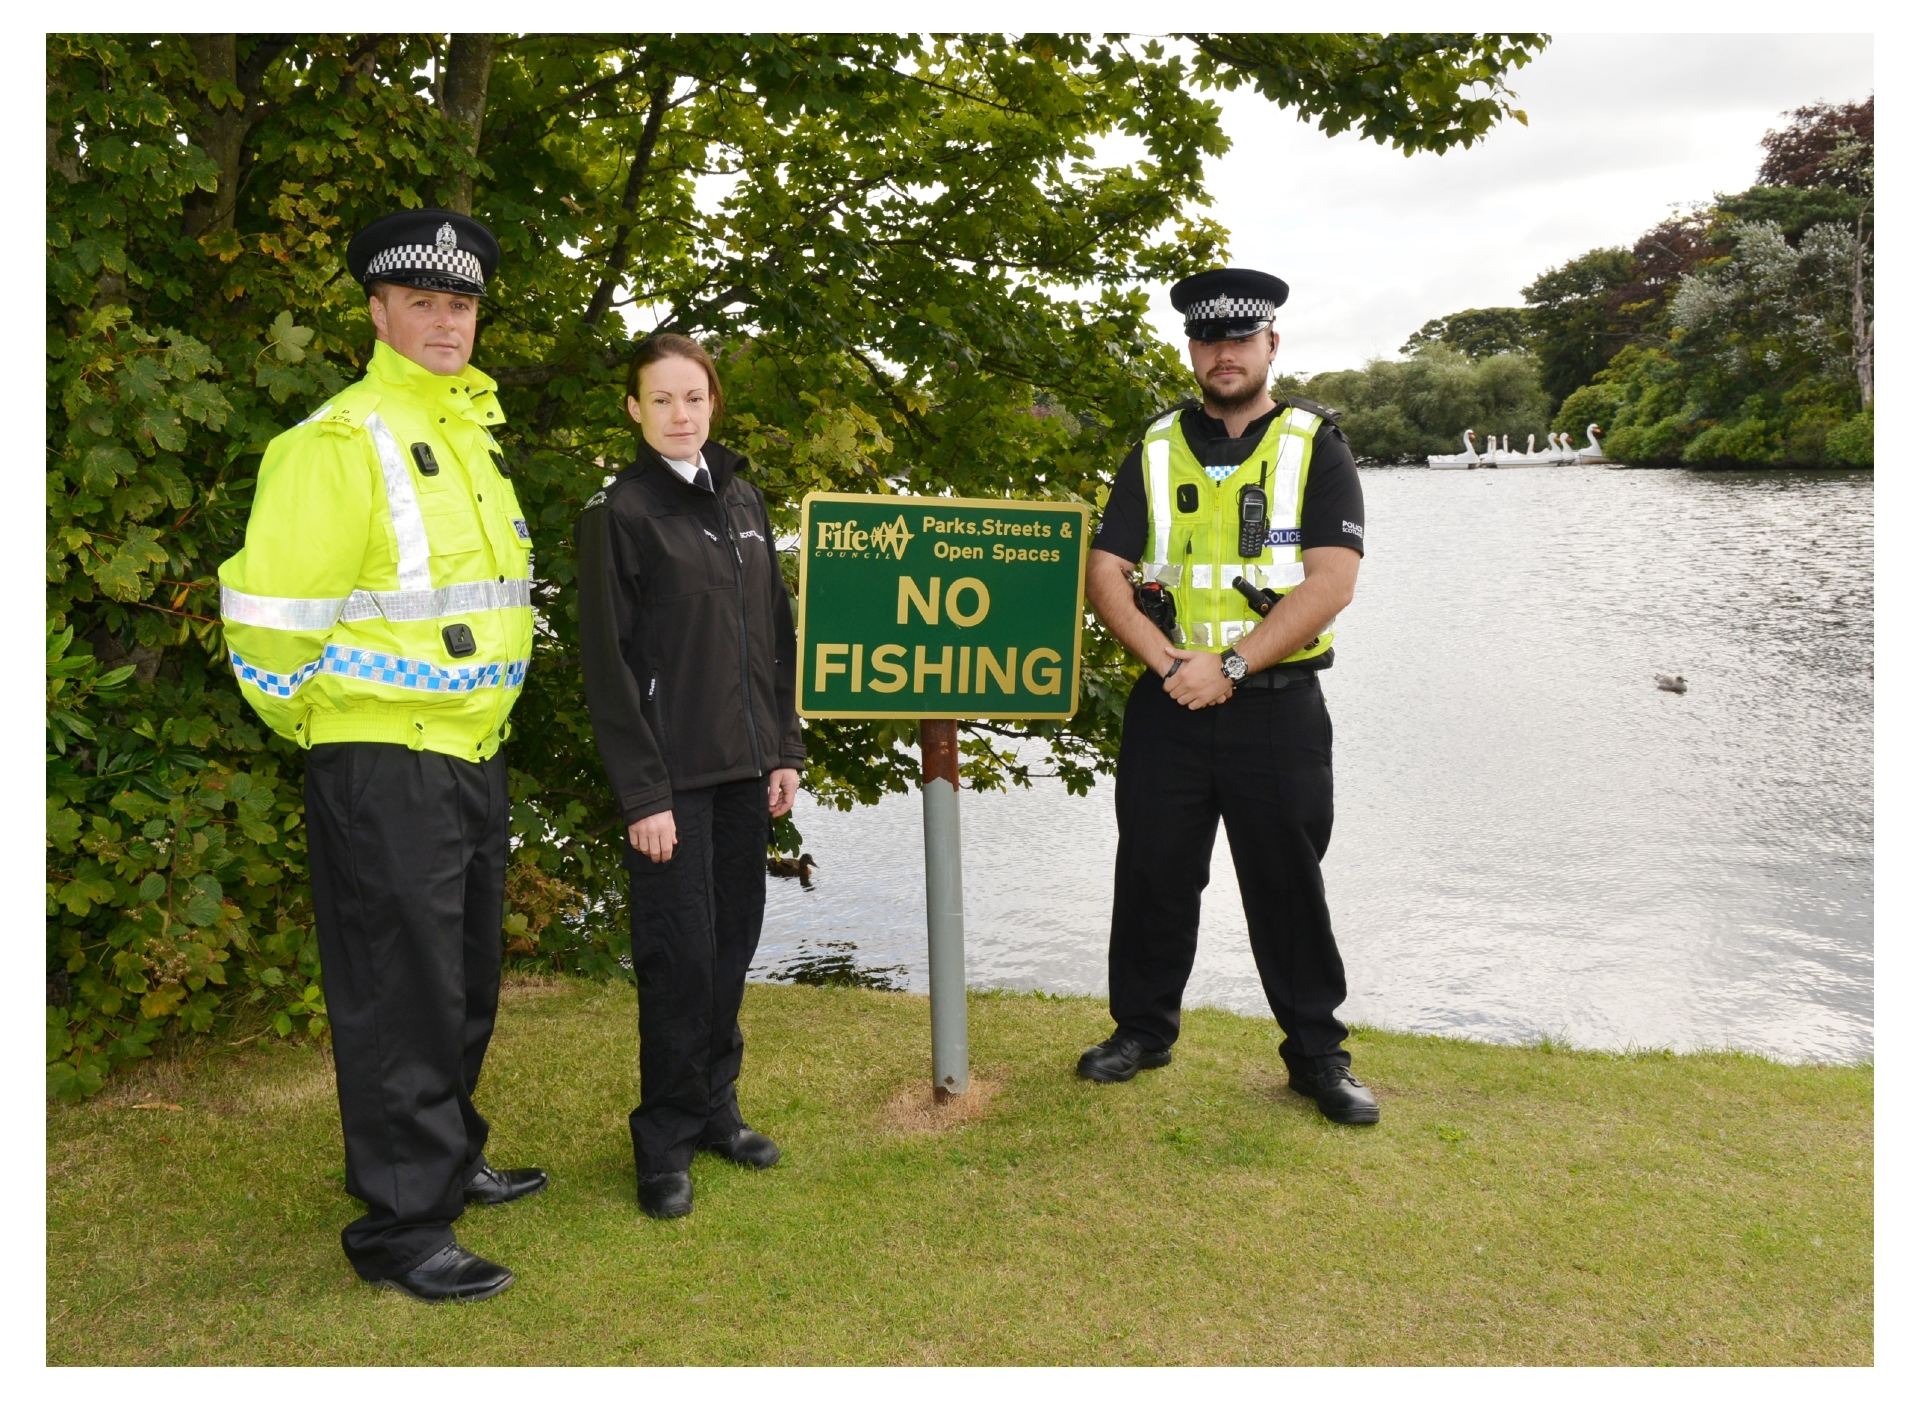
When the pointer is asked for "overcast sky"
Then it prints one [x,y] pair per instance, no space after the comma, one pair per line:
[1620,130]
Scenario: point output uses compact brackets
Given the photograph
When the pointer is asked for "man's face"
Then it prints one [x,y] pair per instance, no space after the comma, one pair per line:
[1234,372]
[432,329]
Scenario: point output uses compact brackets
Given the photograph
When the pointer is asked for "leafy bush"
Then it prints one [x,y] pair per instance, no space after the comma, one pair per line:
[1851,442]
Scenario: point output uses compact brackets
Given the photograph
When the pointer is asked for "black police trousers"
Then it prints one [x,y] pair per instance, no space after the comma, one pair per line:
[1263,761]
[696,924]
[409,856]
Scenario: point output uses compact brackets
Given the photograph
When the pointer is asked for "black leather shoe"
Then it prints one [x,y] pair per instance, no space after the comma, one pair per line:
[452,1276]
[745,1147]
[492,1187]
[665,1195]
[1120,1058]
[1341,1098]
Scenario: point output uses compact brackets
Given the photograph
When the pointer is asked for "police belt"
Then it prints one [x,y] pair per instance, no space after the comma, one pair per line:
[1276,680]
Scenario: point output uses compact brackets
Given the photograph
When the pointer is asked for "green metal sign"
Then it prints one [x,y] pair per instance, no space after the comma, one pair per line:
[931,607]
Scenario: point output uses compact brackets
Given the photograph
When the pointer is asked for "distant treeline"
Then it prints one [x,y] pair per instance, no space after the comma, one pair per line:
[1740,333]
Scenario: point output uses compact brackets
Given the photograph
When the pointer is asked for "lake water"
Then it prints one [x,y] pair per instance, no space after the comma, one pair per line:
[1531,839]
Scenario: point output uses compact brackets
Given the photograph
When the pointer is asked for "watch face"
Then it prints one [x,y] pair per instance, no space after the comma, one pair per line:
[1235,666]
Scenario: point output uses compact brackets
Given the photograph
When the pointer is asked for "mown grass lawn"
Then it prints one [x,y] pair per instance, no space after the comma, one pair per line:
[1514,1206]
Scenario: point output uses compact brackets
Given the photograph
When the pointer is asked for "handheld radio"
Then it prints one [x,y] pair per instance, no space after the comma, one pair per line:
[1253,517]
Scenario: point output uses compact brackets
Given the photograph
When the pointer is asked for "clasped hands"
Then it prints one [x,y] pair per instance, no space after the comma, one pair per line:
[1195,679]
[655,837]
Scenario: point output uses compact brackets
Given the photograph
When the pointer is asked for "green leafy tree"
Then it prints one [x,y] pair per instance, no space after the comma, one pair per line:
[914,271]
[1575,324]
[1760,347]
[1476,333]
[1404,410]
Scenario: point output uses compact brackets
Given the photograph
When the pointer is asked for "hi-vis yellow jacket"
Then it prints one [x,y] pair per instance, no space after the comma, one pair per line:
[1196,552]
[383,591]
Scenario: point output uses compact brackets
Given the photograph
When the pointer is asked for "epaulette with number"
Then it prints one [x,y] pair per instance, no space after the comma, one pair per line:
[1320,410]
[345,414]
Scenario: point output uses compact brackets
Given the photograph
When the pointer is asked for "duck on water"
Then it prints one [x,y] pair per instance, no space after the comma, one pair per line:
[802,866]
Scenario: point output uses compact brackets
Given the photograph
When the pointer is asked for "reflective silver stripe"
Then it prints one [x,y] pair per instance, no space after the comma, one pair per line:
[283,614]
[1168,574]
[1300,421]
[1286,481]
[1158,475]
[418,605]
[403,508]
[1203,576]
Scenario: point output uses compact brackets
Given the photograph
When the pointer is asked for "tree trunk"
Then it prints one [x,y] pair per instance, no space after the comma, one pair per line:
[222,134]
[219,133]
[1862,312]
[464,101]
[619,254]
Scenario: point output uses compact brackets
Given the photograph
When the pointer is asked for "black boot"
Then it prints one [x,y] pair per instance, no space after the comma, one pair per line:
[451,1276]
[492,1187]
[745,1147]
[1341,1098]
[665,1195]
[1119,1058]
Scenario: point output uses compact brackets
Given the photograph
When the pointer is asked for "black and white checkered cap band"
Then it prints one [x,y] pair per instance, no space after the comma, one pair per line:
[1231,309]
[421,257]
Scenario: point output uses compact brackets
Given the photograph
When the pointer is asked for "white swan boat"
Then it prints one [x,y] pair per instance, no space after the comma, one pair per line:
[1529,458]
[1469,458]
[1593,452]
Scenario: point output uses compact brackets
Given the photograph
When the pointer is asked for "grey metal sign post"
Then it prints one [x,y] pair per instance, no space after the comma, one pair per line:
[915,607]
[946,925]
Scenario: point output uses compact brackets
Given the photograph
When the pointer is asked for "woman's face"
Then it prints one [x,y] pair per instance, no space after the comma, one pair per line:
[674,408]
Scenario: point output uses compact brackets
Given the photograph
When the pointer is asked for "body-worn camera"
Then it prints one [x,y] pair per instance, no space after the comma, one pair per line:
[1156,601]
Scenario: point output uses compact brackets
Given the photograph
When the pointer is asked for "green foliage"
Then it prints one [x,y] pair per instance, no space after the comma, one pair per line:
[1415,92]
[1575,330]
[1477,333]
[1593,404]
[913,269]
[1402,410]
[1759,366]
[1851,442]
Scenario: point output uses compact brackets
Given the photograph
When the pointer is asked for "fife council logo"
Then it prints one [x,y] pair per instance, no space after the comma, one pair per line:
[848,538]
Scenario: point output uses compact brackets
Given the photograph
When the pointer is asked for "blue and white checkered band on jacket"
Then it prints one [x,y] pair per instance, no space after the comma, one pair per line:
[1231,309]
[445,257]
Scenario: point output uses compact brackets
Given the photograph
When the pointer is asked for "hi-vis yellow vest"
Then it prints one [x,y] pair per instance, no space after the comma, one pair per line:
[1196,554]
[384,543]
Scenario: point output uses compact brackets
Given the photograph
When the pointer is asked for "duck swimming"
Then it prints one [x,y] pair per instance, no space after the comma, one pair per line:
[1677,684]
[789,866]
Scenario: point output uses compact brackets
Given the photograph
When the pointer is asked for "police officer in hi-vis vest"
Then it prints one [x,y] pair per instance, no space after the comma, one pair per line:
[1244,520]
[379,617]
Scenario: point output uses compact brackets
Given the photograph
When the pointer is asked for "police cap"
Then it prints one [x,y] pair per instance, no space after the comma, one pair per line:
[1227,303]
[433,249]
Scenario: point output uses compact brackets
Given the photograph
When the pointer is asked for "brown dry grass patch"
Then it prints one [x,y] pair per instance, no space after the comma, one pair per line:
[913,1111]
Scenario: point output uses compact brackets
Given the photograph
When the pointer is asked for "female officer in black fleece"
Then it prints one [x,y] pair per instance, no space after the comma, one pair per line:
[686,639]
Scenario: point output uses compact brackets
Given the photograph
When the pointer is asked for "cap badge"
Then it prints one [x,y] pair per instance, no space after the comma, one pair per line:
[445,238]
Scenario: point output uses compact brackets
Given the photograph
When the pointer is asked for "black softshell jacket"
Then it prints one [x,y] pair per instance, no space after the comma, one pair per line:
[686,633]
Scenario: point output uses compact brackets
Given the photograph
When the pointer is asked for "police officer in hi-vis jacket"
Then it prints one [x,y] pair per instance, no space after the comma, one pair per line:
[379,617]
[1244,519]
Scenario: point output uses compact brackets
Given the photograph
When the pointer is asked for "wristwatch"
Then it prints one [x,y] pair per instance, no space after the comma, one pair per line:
[1234,666]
